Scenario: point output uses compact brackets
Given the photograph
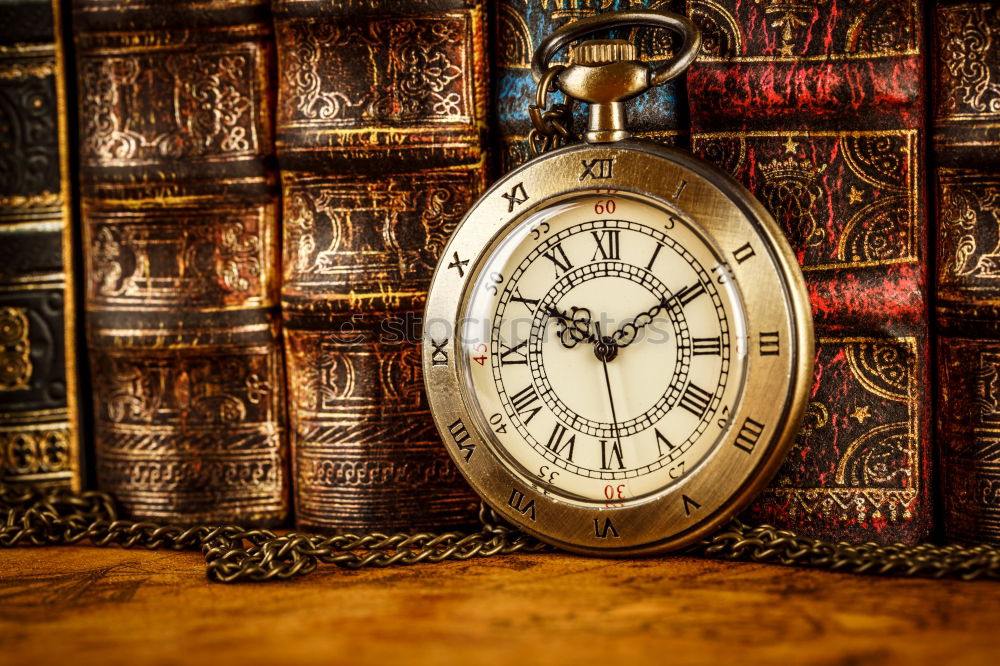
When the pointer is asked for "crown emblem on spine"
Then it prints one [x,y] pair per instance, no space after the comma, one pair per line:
[790,169]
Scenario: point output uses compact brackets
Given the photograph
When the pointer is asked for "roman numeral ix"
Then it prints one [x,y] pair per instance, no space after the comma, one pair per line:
[513,355]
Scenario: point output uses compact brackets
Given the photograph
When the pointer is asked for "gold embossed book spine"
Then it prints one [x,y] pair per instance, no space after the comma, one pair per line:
[39,433]
[966,154]
[380,133]
[180,215]
[818,108]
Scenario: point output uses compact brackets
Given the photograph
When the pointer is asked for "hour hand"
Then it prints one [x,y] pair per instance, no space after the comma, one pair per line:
[575,325]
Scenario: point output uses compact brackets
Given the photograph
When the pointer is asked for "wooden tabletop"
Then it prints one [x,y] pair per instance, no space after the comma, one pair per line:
[81,606]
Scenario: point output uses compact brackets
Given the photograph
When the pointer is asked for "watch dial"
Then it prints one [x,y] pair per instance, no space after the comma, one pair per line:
[604,346]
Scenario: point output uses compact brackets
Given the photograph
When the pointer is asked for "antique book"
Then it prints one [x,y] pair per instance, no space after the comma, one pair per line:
[966,157]
[518,28]
[380,141]
[180,216]
[818,108]
[39,430]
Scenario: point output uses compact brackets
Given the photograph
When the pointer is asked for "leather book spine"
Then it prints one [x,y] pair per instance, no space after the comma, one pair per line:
[818,108]
[180,214]
[39,430]
[519,26]
[380,138]
[966,155]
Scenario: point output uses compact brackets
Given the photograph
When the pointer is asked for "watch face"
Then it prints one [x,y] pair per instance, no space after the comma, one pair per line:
[603,344]
[617,348]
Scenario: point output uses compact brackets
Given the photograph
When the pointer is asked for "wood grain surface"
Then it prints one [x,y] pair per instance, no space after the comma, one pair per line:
[85,606]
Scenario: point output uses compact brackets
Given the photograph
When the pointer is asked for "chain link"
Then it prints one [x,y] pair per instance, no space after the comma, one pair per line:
[233,554]
[551,127]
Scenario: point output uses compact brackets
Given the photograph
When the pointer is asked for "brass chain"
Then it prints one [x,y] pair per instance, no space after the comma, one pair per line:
[233,554]
[551,126]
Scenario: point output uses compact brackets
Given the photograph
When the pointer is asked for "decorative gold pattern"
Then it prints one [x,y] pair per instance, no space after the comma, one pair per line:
[39,432]
[361,239]
[180,219]
[876,230]
[967,80]
[986,393]
[42,200]
[721,36]
[516,47]
[969,234]
[32,452]
[362,422]
[15,348]
[876,475]
[418,76]
[792,185]
[156,257]
[969,433]
[158,429]
[798,31]
[788,18]
[127,122]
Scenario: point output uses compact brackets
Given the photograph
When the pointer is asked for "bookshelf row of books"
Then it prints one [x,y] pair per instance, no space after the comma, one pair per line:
[211,213]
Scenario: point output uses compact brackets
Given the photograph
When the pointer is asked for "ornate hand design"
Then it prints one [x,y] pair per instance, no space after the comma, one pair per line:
[575,326]
[627,333]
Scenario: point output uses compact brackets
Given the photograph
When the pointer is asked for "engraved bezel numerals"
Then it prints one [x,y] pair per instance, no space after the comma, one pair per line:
[751,437]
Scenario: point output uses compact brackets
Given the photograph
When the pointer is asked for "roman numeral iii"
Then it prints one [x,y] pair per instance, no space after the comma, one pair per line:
[706,346]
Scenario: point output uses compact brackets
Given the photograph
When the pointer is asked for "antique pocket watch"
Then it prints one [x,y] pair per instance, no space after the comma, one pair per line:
[617,344]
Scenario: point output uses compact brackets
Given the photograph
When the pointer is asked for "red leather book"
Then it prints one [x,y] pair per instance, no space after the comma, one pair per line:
[180,218]
[966,154]
[818,108]
[380,132]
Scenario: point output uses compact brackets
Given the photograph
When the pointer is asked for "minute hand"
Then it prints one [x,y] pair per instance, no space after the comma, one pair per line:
[626,335]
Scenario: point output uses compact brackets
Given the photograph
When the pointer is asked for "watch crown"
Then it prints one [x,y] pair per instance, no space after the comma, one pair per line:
[602,52]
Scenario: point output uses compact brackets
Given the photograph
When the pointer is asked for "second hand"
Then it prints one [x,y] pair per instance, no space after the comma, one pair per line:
[607,382]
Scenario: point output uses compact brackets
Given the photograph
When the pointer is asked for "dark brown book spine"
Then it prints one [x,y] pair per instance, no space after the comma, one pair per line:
[967,174]
[818,108]
[180,230]
[39,431]
[381,121]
